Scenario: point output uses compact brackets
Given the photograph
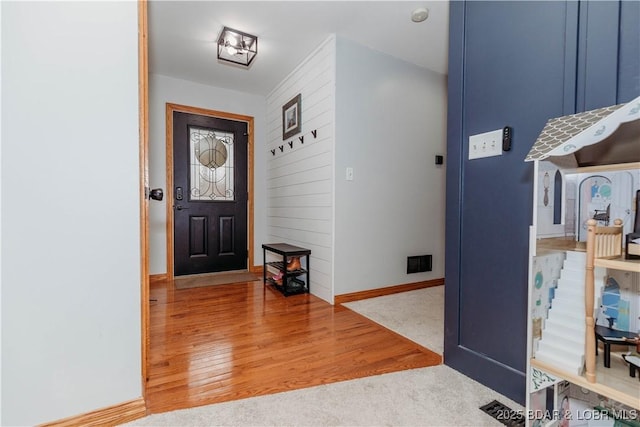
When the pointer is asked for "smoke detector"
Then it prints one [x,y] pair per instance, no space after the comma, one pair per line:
[420,14]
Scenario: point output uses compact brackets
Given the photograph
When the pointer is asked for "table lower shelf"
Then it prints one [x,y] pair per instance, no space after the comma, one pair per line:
[294,286]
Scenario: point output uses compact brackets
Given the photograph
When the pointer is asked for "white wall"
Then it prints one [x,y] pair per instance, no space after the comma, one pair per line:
[300,178]
[0,218]
[163,90]
[70,209]
[390,124]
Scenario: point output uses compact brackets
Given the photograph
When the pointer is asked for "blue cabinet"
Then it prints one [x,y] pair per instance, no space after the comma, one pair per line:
[515,64]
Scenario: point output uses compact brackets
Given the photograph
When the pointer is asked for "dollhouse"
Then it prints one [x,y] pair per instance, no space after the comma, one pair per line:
[584,288]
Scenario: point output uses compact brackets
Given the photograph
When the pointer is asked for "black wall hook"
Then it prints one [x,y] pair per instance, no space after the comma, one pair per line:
[314,133]
[301,138]
[273,152]
[290,144]
[281,148]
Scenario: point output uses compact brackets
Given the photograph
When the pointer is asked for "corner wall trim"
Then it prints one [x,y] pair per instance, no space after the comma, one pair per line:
[372,293]
[111,415]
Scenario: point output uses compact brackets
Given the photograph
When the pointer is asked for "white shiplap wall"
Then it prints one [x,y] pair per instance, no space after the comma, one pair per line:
[300,204]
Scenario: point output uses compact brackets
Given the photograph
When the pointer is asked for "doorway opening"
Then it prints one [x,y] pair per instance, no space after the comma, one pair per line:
[176,199]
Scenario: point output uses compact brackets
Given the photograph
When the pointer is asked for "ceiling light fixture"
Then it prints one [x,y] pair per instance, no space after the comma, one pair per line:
[237,47]
[420,14]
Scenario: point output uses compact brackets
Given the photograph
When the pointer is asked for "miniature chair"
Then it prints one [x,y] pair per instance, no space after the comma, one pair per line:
[602,215]
[634,364]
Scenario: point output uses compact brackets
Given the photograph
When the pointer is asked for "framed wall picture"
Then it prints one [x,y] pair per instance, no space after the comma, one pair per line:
[292,117]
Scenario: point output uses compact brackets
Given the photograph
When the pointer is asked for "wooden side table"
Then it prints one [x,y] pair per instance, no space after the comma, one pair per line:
[291,282]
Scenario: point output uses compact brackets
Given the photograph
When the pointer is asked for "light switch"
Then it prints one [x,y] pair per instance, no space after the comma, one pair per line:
[349,174]
[485,144]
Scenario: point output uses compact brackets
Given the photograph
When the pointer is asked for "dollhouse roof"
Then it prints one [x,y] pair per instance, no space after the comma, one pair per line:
[568,134]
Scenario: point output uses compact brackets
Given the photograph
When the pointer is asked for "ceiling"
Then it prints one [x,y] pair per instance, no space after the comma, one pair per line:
[182,36]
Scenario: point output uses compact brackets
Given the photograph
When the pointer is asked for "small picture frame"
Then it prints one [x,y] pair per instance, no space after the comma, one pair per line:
[292,117]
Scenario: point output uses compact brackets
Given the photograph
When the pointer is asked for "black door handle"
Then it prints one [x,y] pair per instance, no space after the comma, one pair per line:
[156,194]
[180,207]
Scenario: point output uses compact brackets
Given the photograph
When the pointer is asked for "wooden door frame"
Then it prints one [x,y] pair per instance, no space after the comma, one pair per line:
[143,143]
[172,108]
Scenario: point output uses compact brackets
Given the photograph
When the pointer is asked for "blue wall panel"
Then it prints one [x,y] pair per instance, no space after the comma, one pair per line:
[629,52]
[512,73]
[597,55]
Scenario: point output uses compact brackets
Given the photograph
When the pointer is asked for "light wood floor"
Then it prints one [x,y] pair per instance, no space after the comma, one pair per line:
[228,342]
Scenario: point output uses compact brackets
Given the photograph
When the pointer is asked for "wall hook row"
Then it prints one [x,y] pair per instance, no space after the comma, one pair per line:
[290,143]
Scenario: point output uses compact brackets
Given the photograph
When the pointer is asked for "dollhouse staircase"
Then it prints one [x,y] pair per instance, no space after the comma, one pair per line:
[563,333]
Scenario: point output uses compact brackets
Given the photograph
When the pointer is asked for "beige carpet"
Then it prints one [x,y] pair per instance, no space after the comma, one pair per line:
[417,315]
[434,396]
[212,279]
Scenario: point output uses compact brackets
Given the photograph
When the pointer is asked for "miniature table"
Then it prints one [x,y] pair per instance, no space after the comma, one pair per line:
[611,336]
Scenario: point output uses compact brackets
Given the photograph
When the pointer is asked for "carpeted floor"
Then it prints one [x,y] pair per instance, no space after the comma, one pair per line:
[434,396]
[417,315]
[212,279]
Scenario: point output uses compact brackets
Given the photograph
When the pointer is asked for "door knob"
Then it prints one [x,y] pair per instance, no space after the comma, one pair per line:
[180,207]
[156,194]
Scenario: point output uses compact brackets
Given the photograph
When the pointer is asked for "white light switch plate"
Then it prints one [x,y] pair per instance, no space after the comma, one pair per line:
[349,174]
[485,144]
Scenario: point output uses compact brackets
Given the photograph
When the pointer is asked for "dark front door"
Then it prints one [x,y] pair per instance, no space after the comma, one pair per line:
[210,194]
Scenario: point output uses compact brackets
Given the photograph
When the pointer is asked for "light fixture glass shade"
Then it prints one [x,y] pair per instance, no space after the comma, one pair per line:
[237,47]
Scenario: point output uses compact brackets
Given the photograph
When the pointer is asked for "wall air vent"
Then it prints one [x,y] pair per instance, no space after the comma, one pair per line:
[418,264]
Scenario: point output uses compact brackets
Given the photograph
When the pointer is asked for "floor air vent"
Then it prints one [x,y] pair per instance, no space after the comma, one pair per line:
[504,414]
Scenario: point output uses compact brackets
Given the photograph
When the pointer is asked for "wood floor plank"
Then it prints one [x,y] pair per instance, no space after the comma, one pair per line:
[226,342]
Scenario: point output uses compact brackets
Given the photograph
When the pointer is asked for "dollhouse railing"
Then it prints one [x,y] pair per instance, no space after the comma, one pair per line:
[602,243]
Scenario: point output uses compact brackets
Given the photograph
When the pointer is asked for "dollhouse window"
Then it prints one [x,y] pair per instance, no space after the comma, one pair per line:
[557,198]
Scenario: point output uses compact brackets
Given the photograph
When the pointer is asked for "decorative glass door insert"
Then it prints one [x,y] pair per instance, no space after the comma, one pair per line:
[211,165]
